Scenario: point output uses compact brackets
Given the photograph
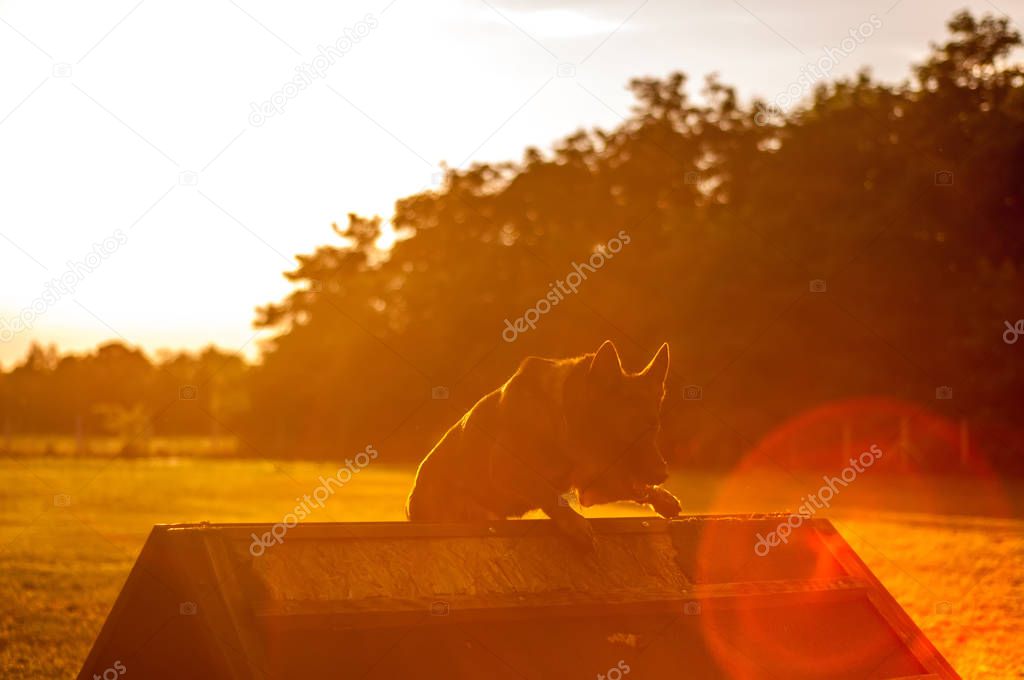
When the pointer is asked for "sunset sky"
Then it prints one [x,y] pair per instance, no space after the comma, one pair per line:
[130,123]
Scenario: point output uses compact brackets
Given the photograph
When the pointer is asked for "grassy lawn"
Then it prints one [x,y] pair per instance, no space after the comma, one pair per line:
[952,554]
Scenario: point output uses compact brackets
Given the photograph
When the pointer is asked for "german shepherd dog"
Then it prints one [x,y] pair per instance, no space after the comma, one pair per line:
[557,426]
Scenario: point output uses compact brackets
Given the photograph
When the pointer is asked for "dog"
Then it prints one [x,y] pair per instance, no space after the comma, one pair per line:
[581,425]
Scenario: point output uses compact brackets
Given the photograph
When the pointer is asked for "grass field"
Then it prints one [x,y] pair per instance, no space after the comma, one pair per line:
[951,552]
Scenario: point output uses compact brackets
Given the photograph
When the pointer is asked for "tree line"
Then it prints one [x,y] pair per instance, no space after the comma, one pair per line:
[828,276]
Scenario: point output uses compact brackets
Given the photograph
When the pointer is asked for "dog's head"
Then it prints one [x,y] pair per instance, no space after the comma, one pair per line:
[619,425]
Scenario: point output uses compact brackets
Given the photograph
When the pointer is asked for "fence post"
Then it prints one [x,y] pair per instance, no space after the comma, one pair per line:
[965,442]
[847,443]
[79,435]
[904,442]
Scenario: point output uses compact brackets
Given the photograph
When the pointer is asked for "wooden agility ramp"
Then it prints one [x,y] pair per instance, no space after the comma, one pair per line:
[512,599]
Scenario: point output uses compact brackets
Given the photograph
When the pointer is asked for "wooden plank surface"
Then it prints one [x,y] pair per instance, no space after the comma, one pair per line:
[691,591]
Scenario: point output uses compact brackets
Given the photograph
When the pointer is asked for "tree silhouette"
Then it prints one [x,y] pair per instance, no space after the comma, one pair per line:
[730,220]
[866,243]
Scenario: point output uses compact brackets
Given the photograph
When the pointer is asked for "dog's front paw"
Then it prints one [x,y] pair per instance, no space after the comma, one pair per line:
[663,502]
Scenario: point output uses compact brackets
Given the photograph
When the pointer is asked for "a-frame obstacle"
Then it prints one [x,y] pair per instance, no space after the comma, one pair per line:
[689,598]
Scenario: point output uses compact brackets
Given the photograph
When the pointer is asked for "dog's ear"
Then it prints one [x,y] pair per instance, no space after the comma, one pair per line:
[657,370]
[606,367]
